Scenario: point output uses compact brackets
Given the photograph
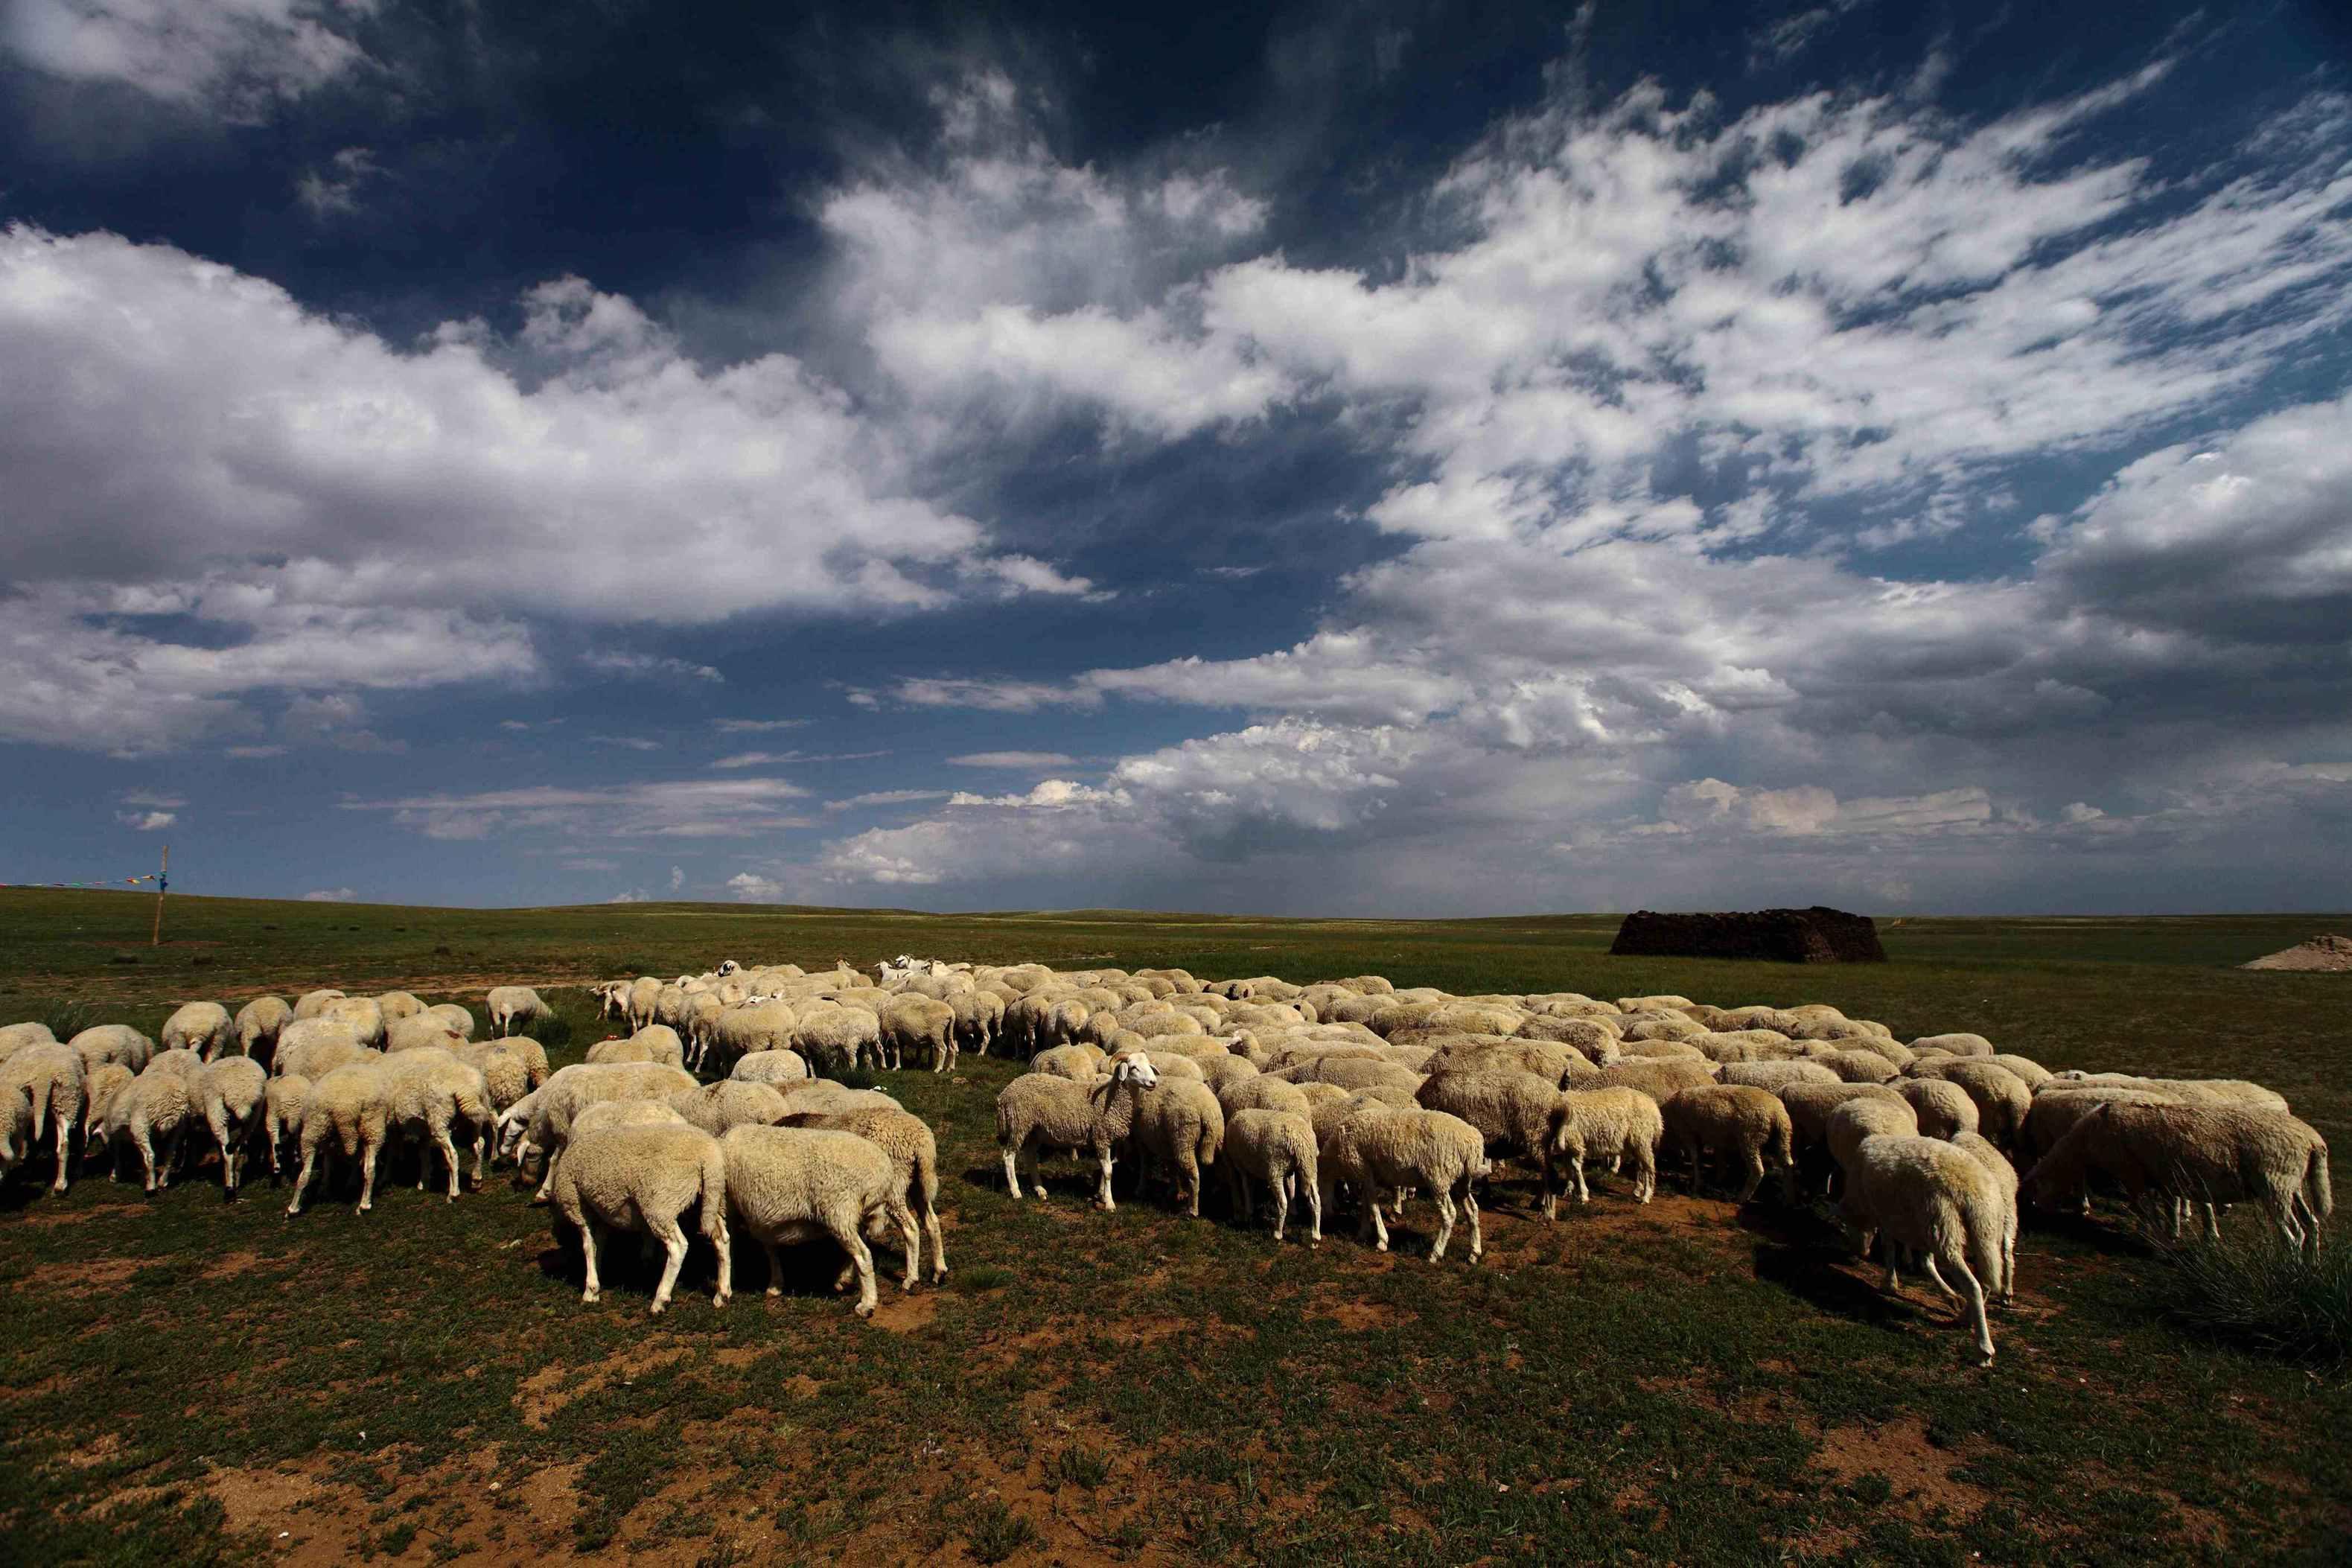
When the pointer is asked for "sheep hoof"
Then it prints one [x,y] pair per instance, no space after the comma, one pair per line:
[588,1297]
[864,1311]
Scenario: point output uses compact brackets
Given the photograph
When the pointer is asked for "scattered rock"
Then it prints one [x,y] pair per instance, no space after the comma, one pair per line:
[2331,954]
[1816,935]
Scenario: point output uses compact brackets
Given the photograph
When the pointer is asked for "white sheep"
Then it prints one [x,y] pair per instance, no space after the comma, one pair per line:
[1181,1122]
[152,1115]
[258,1023]
[912,1025]
[643,1178]
[1407,1151]
[457,1017]
[305,1043]
[203,1027]
[1276,1147]
[15,1038]
[728,1103]
[282,1099]
[512,1006]
[363,1015]
[1930,1198]
[1513,1110]
[351,1106]
[117,1043]
[770,1066]
[53,1081]
[313,1004]
[543,1118]
[1748,1125]
[2201,1156]
[231,1091]
[797,1183]
[1039,1110]
[914,1152]
[431,1093]
[1623,1127]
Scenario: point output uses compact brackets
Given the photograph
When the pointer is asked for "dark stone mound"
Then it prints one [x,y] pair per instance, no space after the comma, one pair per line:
[1817,935]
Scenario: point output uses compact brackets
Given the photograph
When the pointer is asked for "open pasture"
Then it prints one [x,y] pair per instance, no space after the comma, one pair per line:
[187,1379]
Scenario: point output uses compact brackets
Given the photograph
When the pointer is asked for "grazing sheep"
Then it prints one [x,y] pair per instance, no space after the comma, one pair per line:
[979,1017]
[655,1042]
[256,1026]
[546,1125]
[101,1085]
[2202,1156]
[1512,1110]
[282,1099]
[1860,1067]
[1747,1125]
[1810,1106]
[1928,1197]
[2003,1099]
[1276,1147]
[513,1005]
[351,1106]
[1078,1062]
[730,1102]
[457,1017]
[769,1068]
[420,1032]
[363,1016]
[1040,1110]
[753,1029]
[1943,1108]
[432,1092]
[1867,1117]
[203,1027]
[230,1091]
[152,1114]
[1618,1126]
[398,1005]
[841,1036]
[505,1072]
[1181,1123]
[1776,1076]
[183,1061]
[2004,1175]
[912,1025]
[53,1082]
[1220,1070]
[313,1004]
[117,1043]
[1407,1151]
[1556,1063]
[2202,1091]
[607,1113]
[15,1038]
[1263,1093]
[302,1039]
[1661,1081]
[914,1153]
[533,1054]
[1954,1044]
[796,1184]
[642,1179]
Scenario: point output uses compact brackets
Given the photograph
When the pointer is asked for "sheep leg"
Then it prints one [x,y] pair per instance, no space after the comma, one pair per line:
[480,1149]
[1012,1170]
[367,1174]
[1551,1192]
[1444,1224]
[775,1267]
[309,1163]
[861,1258]
[1976,1303]
[904,1216]
[665,1229]
[449,1158]
[145,1140]
[546,1175]
[1477,1233]
[1313,1194]
[1927,1262]
[1378,1225]
[1583,1193]
[2212,1223]
[1755,1176]
[1102,1196]
[1189,1170]
[930,1217]
[591,1288]
[65,1157]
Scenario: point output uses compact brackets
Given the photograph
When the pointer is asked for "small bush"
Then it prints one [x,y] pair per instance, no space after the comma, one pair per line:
[997,1531]
[1081,1466]
[66,1020]
[550,1029]
[2252,1290]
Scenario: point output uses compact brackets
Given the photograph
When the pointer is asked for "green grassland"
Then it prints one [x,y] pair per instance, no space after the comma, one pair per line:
[182,1379]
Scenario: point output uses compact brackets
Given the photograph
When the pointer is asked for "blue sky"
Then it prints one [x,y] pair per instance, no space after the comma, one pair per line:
[1341,459]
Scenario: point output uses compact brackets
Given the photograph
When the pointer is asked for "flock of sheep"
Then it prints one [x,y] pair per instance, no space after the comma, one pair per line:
[1347,1090]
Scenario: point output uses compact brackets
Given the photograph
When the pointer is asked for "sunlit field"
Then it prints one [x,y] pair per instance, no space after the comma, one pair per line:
[187,1378]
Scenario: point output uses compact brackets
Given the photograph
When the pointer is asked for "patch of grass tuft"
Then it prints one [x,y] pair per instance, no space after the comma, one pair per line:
[996,1531]
[2253,1291]
[1081,1466]
[987,1277]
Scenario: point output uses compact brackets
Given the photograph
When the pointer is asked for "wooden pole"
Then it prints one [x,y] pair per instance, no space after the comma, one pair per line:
[163,881]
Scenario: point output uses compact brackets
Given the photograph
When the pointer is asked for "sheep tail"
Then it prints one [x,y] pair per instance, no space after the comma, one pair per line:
[40,1112]
[1983,1232]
